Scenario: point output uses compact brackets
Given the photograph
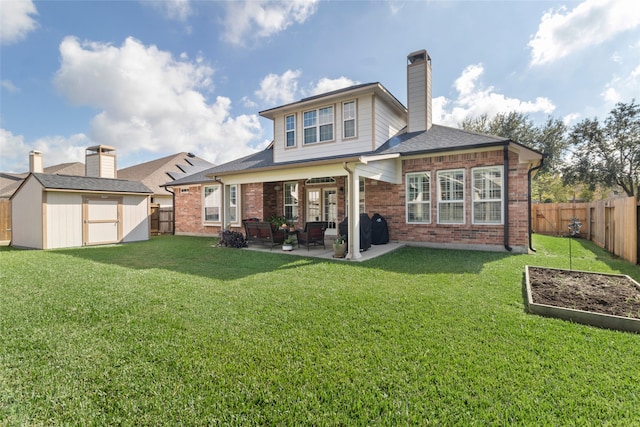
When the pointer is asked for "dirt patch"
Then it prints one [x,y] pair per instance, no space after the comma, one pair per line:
[597,293]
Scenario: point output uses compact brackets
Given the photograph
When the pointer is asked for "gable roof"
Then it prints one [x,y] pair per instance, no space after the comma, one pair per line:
[155,173]
[438,139]
[84,183]
[9,182]
[364,87]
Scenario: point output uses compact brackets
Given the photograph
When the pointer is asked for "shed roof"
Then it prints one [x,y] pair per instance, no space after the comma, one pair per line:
[85,183]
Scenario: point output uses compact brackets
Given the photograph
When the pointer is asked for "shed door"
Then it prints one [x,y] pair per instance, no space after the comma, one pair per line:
[102,223]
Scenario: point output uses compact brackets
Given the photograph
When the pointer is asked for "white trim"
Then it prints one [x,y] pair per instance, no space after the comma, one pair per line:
[407,202]
[500,169]
[456,201]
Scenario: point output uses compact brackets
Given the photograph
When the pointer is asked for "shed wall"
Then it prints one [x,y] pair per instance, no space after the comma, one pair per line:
[26,215]
[63,220]
[135,213]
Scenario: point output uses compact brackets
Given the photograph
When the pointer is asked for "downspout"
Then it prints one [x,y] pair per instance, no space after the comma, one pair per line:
[506,204]
[529,201]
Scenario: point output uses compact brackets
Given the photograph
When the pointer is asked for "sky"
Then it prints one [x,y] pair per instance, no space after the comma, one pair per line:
[155,78]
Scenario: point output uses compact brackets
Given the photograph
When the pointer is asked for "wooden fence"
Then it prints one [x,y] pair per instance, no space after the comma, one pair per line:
[612,224]
[5,220]
[161,220]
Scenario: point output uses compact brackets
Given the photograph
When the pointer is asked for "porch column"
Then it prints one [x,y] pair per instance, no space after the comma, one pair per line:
[354,215]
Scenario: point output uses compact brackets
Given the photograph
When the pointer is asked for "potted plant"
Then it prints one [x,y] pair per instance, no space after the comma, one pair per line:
[287,245]
[277,221]
[339,246]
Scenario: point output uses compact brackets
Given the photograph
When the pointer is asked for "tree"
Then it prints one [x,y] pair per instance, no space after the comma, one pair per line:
[550,138]
[607,154]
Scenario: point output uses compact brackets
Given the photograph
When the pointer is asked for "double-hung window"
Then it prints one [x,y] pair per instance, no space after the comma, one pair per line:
[349,119]
[451,196]
[212,202]
[232,197]
[418,197]
[290,130]
[318,125]
[291,201]
[487,195]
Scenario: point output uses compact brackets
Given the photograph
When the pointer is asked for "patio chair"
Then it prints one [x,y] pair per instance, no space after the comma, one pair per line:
[313,234]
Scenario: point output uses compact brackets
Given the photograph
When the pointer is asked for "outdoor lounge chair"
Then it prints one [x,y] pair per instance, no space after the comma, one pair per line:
[313,234]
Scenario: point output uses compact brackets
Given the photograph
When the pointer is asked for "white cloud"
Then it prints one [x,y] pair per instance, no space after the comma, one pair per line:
[279,89]
[325,85]
[622,89]
[16,20]
[12,148]
[8,85]
[592,22]
[151,102]
[263,18]
[473,101]
[179,10]
[571,118]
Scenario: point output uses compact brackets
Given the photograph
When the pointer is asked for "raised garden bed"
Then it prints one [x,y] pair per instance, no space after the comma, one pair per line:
[609,301]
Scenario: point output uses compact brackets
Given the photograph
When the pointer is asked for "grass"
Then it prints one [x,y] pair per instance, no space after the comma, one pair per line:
[176,332]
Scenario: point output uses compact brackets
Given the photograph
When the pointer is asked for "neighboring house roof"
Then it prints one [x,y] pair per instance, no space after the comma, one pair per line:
[84,183]
[9,182]
[437,139]
[154,174]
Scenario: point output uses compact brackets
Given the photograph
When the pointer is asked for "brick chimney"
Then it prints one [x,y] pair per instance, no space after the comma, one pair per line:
[419,91]
[100,162]
[35,162]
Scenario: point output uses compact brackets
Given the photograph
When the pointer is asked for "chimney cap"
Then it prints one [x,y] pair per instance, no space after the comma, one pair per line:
[101,148]
[35,152]
[418,56]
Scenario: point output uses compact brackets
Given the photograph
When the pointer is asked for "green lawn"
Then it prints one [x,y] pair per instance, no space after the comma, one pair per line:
[176,332]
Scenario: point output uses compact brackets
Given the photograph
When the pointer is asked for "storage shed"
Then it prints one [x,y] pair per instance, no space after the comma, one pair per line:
[63,211]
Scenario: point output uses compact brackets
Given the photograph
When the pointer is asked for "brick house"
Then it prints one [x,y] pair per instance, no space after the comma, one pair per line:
[359,150]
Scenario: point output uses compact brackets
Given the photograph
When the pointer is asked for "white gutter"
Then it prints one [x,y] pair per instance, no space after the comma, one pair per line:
[367,159]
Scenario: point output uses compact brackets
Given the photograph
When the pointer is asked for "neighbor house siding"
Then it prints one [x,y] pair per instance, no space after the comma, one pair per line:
[389,201]
[26,215]
[64,220]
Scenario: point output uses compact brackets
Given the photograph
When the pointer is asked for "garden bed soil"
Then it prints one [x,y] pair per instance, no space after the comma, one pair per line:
[615,295]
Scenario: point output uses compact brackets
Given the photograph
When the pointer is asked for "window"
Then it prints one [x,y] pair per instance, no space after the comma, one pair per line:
[318,125]
[487,195]
[290,131]
[349,119]
[291,200]
[212,203]
[451,197]
[232,196]
[419,197]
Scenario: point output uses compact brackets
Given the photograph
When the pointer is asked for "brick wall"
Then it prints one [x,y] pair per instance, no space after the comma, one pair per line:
[188,212]
[389,201]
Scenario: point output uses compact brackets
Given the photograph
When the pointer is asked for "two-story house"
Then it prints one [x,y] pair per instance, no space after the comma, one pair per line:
[359,150]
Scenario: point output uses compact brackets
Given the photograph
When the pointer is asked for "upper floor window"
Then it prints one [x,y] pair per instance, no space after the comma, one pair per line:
[318,125]
[212,202]
[349,119]
[419,198]
[451,196]
[290,131]
[487,195]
